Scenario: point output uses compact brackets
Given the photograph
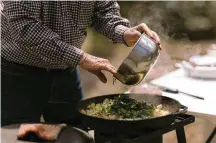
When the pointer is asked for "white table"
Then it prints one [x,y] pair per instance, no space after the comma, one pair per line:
[206,108]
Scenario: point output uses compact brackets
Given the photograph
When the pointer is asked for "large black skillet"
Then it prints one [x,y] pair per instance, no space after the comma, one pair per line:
[107,125]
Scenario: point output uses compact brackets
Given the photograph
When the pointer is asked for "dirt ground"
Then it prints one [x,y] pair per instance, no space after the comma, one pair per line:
[197,132]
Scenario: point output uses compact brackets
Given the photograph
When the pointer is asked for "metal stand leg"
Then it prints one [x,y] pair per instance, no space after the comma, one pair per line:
[181,135]
[211,136]
[99,138]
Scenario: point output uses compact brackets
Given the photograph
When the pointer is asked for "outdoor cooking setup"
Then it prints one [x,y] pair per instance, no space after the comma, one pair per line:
[138,131]
[131,72]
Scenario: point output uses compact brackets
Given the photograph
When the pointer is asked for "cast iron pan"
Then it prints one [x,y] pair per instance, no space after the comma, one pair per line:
[108,125]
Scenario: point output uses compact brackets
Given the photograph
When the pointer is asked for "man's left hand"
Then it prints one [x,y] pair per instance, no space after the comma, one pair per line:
[132,35]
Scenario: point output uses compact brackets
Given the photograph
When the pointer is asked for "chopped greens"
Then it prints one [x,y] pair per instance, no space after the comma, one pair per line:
[121,107]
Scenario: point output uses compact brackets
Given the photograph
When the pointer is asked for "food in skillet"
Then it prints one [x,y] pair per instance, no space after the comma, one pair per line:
[123,107]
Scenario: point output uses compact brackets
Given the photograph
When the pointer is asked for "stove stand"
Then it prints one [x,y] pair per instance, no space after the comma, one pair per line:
[210,138]
[146,137]
[101,138]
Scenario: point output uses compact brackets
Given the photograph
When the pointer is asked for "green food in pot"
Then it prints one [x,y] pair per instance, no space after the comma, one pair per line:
[123,107]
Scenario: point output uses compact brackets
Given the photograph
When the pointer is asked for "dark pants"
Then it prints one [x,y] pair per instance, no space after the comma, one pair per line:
[27,92]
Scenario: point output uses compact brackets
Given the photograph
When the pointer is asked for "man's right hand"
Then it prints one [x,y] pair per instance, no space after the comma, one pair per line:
[95,65]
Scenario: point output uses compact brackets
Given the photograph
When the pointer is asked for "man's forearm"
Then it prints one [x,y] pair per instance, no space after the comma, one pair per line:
[107,20]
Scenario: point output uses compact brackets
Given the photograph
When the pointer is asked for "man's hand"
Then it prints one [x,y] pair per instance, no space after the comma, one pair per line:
[95,65]
[132,35]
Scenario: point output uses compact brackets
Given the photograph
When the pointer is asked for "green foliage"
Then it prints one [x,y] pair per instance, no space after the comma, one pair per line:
[176,19]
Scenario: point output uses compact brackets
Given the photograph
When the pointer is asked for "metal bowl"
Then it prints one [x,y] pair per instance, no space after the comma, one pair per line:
[139,61]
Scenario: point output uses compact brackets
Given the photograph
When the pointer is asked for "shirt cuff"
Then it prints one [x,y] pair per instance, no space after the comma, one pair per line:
[119,33]
[72,56]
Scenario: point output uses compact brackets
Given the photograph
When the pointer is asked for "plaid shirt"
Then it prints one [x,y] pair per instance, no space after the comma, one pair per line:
[49,34]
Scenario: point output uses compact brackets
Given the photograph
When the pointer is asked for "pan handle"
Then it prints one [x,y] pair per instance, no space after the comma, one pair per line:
[182,110]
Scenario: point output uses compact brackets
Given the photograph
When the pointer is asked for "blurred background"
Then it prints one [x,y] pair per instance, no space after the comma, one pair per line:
[185,29]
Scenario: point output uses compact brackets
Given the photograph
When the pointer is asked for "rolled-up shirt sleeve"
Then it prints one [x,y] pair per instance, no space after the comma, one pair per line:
[108,21]
[30,33]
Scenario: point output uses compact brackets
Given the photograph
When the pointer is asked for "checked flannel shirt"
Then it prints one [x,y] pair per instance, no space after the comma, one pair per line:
[49,34]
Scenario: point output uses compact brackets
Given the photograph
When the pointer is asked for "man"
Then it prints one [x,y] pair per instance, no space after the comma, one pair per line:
[41,43]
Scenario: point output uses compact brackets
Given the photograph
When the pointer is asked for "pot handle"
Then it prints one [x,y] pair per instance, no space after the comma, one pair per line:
[182,110]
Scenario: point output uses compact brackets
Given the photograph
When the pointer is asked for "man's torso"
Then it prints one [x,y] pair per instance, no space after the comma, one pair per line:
[69,19]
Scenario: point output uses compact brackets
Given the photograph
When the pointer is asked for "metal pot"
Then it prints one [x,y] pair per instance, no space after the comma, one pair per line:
[139,62]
